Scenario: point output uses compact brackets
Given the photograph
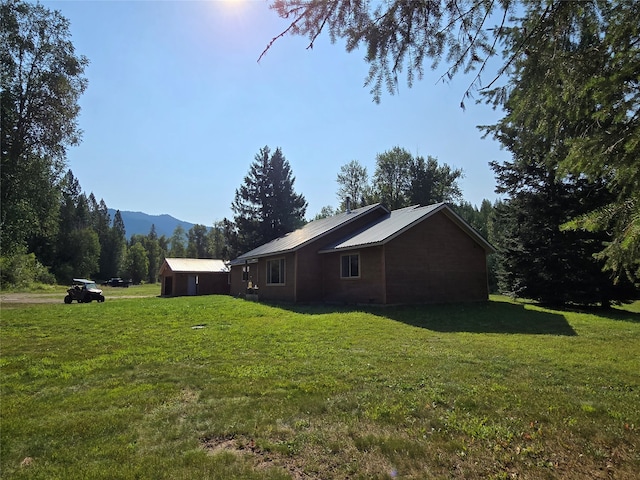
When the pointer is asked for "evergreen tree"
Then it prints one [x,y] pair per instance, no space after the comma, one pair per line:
[177,243]
[397,34]
[576,94]
[478,218]
[153,252]
[539,261]
[266,205]
[113,247]
[163,251]
[67,224]
[101,224]
[545,116]
[77,244]
[231,242]
[197,242]
[137,262]
[217,247]
[118,243]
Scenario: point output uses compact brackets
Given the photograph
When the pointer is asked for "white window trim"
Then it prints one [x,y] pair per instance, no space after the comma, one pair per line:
[283,274]
[351,277]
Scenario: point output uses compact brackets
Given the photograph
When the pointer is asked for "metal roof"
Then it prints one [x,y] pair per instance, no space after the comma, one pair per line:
[195,265]
[398,221]
[311,231]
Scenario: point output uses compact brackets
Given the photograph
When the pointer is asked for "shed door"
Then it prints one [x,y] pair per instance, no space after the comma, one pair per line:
[168,285]
[192,285]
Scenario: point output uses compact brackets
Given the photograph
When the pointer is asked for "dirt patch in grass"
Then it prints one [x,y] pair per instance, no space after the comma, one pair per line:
[247,447]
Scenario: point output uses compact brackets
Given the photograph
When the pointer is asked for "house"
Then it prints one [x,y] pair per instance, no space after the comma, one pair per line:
[418,254]
[194,276]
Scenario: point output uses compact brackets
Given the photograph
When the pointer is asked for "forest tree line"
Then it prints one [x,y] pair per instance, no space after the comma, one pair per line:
[86,242]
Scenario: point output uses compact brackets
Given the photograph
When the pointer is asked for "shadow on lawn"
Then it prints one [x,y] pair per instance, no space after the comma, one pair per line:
[614,313]
[489,317]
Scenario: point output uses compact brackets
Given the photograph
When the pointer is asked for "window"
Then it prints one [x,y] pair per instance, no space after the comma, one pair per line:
[275,272]
[350,266]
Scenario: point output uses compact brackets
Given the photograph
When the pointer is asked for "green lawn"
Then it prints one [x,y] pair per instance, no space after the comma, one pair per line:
[216,387]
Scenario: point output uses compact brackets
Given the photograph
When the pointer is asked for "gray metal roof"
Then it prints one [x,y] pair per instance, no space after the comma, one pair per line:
[398,221]
[311,231]
[195,265]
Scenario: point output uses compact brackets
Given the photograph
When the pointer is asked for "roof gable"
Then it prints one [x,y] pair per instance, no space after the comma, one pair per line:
[398,221]
[312,231]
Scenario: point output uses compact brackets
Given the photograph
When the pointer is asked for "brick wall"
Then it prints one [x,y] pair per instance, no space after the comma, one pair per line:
[433,262]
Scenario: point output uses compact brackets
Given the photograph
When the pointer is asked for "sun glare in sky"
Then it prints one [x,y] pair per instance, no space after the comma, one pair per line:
[180,86]
[232,4]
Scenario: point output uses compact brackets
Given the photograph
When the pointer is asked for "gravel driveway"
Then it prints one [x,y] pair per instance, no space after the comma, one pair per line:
[31,297]
[50,297]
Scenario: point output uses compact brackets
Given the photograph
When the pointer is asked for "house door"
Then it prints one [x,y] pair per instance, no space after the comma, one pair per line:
[192,285]
[168,286]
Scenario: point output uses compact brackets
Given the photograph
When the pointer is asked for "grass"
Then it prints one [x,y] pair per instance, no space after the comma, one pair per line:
[216,387]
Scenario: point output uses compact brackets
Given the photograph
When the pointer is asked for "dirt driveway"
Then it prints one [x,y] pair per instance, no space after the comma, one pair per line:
[31,297]
[7,298]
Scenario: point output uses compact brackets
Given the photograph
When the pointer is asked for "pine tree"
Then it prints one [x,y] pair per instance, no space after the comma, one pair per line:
[177,242]
[266,206]
[572,107]
[539,261]
[153,251]
[114,248]
[197,242]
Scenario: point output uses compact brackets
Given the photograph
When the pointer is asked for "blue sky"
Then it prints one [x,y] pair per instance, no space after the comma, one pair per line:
[177,108]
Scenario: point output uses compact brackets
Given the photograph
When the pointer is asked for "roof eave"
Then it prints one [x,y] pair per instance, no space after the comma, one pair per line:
[353,247]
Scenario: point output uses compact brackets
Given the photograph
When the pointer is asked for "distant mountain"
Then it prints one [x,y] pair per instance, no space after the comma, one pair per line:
[140,223]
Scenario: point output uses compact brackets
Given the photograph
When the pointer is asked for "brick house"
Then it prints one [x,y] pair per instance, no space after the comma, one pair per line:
[193,276]
[418,254]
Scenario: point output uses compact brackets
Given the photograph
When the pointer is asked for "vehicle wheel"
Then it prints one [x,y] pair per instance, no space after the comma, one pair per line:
[68,299]
[101,298]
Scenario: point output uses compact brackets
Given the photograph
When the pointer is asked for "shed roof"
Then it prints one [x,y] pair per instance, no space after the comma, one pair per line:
[194,265]
[398,221]
[310,232]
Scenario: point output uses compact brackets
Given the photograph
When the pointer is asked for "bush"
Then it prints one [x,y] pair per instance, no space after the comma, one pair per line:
[22,270]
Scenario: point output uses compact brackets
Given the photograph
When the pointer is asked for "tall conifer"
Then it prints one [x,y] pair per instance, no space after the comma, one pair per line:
[266,206]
